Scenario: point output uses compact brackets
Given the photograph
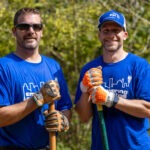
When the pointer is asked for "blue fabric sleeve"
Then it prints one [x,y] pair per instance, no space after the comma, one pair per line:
[4,88]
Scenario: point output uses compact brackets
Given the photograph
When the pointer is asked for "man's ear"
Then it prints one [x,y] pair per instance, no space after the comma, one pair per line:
[14,31]
[42,34]
[98,34]
[125,35]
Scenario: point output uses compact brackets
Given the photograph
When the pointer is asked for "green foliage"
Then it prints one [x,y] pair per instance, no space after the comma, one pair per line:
[70,36]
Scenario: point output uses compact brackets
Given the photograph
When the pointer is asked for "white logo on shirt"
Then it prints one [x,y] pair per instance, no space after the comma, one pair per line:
[121,82]
[30,88]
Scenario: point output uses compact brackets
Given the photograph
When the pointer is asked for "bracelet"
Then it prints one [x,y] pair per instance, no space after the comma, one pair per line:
[116,99]
[37,97]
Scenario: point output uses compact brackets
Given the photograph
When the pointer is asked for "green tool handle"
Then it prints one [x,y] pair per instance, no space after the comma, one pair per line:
[103,128]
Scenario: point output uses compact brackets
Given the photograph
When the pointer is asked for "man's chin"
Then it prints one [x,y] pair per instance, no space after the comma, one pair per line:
[110,48]
[30,46]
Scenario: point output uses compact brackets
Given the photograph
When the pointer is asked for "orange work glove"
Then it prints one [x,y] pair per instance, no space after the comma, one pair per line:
[99,95]
[92,77]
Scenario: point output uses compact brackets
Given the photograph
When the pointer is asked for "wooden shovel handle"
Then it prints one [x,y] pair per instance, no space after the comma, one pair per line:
[52,135]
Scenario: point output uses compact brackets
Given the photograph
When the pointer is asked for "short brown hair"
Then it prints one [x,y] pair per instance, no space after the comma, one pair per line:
[24,11]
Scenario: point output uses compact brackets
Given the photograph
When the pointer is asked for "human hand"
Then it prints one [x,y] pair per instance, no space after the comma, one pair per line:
[91,78]
[49,92]
[99,95]
[56,122]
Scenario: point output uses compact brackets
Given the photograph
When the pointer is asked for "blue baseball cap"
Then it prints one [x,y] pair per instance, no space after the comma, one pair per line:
[114,16]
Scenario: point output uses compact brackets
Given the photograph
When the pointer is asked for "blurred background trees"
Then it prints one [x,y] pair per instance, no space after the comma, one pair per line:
[70,36]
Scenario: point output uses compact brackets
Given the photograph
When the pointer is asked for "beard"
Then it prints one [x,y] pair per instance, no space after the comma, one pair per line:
[28,44]
[32,44]
[111,47]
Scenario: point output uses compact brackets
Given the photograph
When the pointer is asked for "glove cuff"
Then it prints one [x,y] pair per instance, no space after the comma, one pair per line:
[66,123]
[83,88]
[112,99]
[116,99]
[38,99]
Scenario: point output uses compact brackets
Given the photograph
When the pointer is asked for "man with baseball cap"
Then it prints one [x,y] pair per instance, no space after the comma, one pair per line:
[119,81]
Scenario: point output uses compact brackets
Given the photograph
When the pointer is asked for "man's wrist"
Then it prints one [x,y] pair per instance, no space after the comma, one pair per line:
[112,99]
[116,99]
[38,99]
[83,88]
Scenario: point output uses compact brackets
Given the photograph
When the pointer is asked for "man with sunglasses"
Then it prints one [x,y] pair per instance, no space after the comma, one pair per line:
[29,82]
[119,81]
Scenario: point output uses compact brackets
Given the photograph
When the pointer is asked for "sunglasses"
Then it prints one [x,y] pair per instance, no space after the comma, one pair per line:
[25,27]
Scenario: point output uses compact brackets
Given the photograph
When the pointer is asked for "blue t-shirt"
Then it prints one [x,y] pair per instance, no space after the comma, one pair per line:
[19,79]
[130,79]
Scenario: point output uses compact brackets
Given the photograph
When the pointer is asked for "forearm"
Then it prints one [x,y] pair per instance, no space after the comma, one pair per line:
[137,108]
[84,108]
[14,113]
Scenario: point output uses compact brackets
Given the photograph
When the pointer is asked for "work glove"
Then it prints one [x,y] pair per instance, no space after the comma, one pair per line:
[92,77]
[99,95]
[48,93]
[55,121]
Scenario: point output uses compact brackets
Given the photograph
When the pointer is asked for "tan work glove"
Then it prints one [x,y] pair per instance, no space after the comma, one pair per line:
[55,121]
[49,92]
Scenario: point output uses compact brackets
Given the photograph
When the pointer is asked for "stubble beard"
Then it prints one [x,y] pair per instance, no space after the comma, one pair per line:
[111,49]
[30,46]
